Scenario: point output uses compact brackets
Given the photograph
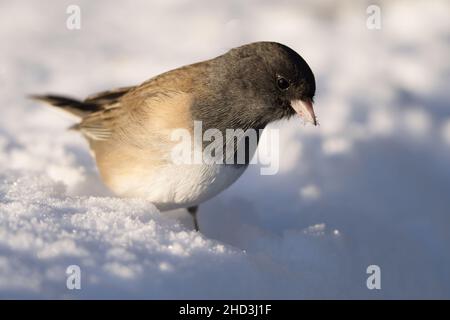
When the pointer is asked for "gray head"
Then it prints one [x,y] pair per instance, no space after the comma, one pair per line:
[255,84]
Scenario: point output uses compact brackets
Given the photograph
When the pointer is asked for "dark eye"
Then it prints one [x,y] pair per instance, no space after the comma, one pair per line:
[282,83]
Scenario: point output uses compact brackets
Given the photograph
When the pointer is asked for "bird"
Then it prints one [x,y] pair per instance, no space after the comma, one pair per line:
[128,129]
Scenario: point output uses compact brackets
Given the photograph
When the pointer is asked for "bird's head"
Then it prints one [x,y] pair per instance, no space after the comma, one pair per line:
[268,81]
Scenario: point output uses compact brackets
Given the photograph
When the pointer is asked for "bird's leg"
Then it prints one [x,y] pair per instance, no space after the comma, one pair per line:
[193,212]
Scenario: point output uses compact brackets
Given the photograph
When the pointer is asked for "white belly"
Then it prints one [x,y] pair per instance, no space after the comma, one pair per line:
[179,186]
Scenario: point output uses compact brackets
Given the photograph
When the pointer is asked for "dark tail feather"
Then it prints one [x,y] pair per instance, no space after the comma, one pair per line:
[75,107]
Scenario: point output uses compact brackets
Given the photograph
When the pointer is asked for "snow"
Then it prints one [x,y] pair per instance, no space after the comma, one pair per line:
[369,186]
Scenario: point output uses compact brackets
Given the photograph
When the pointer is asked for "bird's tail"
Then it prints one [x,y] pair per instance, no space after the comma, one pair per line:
[73,106]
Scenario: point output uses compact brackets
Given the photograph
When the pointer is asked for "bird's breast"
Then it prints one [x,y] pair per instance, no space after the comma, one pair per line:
[177,186]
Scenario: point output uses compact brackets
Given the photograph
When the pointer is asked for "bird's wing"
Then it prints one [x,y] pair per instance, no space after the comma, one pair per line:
[158,104]
[105,99]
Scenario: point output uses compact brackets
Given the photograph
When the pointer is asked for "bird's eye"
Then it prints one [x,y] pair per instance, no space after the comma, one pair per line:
[282,83]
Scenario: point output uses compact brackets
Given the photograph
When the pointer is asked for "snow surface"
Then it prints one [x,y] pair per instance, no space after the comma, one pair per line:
[371,185]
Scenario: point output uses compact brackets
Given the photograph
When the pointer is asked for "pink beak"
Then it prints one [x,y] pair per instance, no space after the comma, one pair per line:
[305,110]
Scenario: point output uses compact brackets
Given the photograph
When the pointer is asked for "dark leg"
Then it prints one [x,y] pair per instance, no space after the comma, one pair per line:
[193,212]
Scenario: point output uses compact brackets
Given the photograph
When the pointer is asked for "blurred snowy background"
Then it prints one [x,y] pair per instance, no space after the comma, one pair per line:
[371,185]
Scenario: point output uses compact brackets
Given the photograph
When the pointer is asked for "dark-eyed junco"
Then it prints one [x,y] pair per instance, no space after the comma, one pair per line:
[128,129]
